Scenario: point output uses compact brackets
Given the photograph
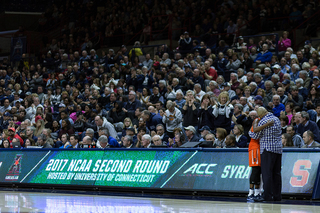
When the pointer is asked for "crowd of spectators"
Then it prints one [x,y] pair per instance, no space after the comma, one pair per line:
[79,99]
[96,101]
[91,24]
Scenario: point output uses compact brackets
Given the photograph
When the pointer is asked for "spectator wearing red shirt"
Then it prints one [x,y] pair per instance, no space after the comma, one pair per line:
[12,135]
[209,73]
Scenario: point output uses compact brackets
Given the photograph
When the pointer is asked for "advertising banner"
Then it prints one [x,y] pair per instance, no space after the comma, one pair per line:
[189,169]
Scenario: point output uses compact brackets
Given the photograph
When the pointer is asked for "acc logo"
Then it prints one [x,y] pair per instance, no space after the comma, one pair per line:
[15,169]
[201,169]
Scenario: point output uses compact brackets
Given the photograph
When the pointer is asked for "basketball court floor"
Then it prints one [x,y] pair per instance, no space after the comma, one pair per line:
[22,201]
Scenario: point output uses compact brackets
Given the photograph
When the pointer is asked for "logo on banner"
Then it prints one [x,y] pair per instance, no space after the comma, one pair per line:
[202,169]
[15,169]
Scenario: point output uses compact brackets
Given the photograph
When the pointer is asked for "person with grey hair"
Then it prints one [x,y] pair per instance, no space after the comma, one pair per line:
[148,62]
[302,90]
[275,106]
[146,141]
[87,142]
[103,140]
[127,142]
[234,81]
[275,79]
[306,79]
[267,74]
[198,91]
[190,110]
[172,118]
[259,80]
[42,141]
[306,124]
[180,101]
[241,76]
[156,140]
[295,97]
[295,68]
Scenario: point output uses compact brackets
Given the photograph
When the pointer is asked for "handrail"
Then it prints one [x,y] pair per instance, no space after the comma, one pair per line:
[304,22]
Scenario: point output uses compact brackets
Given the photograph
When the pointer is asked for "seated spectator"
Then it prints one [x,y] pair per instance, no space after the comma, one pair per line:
[65,128]
[221,135]
[203,132]
[288,111]
[295,97]
[156,141]
[283,97]
[302,90]
[306,124]
[264,56]
[127,142]
[275,106]
[234,63]
[230,142]
[240,139]
[180,101]
[163,135]
[309,141]
[12,134]
[284,123]
[28,142]
[146,141]
[191,134]
[313,99]
[287,140]
[112,142]
[151,120]
[87,143]
[42,142]
[103,142]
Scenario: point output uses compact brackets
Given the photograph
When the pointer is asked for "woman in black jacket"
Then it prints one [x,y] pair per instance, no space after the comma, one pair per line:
[205,115]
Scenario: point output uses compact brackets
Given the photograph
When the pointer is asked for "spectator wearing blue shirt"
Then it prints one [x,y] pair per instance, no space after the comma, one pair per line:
[180,101]
[151,119]
[264,56]
[276,106]
[295,68]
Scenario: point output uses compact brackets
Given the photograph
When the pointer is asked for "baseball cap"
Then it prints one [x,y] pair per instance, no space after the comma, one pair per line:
[28,93]
[191,128]
[307,42]
[186,32]
[258,97]
[7,114]
[12,129]
[79,97]
[227,84]
[316,77]
[276,66]
[204,128]
[285,82]
[62,105]
[38,117]
[131,129]
[240,37]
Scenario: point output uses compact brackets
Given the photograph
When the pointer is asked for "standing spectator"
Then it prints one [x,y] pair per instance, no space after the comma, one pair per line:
[223,111]
[205,115]
[190,110]
[172,118]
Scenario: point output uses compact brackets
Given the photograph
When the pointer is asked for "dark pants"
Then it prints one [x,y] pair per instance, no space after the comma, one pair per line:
[271,175]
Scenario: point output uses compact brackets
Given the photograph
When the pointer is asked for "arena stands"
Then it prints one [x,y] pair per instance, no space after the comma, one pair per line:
[213,81]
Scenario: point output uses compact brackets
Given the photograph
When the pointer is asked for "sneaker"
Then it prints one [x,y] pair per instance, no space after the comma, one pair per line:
[258,198]
[251,198]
